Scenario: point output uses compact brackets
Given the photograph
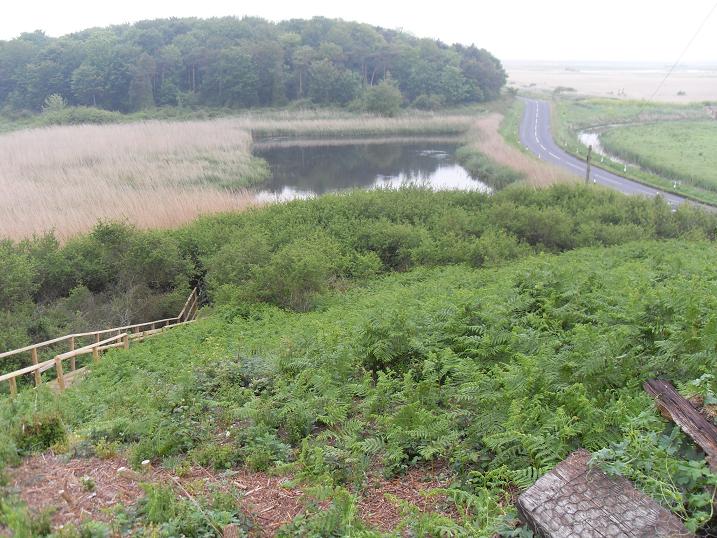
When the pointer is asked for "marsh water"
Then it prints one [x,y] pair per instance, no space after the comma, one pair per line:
[304,168]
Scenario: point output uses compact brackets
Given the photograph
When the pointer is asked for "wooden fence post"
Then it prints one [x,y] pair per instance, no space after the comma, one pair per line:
[125,340]
[73,362]
[13,387]
[95,355]
[60,375]
[38,375]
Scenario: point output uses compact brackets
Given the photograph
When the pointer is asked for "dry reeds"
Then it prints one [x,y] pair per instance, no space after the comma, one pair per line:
[308,124]
[153,174]
[485,136]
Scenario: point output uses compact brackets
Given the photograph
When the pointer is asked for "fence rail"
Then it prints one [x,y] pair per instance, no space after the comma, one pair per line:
[103,340]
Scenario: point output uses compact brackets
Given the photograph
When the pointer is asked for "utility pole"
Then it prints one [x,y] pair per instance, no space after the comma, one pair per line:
[587,172]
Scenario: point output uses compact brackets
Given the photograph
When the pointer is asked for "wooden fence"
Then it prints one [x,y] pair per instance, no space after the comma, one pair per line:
[99,341]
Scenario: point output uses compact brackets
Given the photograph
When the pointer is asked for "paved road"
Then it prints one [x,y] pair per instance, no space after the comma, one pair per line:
[535,134]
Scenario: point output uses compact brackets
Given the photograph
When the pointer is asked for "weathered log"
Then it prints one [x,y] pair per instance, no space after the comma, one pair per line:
[677,408]
[574,501]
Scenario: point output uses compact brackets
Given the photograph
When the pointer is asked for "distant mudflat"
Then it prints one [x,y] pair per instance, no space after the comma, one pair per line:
[685,84]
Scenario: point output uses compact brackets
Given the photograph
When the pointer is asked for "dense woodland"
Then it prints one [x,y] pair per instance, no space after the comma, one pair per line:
[239,63]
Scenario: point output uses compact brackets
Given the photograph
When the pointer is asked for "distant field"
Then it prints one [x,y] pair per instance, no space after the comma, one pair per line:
[573,115]
[159,174]
[683,85]
[591,112]
[677,150]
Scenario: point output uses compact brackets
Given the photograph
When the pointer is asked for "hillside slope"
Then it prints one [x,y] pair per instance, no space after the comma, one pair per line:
[486,376]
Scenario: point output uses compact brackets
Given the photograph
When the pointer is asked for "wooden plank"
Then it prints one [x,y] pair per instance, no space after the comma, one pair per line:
[33,346]
[675,407]
[60,375]
[88,348]
[139,329]
[96,334]
[573,500]
[28,370]
[73,361]
[38,375]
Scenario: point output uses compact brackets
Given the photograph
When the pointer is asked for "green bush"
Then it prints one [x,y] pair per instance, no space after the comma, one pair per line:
[40,432]
[483,168]
[264,450]
[384,99]
[297,272]
[76,115]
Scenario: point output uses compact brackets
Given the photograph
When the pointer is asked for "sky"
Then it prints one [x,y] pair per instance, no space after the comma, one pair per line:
[549,30]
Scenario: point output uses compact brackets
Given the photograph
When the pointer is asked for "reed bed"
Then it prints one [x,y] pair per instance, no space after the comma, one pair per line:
[160,174]
[485,136]
[153,174]
[304,124]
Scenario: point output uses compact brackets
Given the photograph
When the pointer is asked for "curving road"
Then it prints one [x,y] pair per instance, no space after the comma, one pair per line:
[535,135]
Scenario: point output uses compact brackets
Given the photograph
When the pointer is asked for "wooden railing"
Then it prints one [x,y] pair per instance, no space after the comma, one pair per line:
[101,340]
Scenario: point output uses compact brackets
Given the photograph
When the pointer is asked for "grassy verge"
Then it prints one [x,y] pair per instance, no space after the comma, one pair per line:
[510,126]
[487,170]
[674,150]
[570,116]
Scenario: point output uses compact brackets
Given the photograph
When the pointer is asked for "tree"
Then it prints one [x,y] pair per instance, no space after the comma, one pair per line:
[231,79]
[384,98]
[330,84]
[455,87]
[54,103]
[141,91]
[244,62]
[483,69]
[302,58]
[87,84]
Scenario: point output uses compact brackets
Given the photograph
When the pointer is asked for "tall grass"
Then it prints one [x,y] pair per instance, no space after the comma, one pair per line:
[485,138]
[159,174]
[153,174]
[308,123]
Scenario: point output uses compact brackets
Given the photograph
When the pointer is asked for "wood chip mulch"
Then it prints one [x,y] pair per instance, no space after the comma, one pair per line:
[51,482]
[379,512]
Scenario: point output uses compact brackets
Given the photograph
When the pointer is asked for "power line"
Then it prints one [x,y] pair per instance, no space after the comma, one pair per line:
[674,66]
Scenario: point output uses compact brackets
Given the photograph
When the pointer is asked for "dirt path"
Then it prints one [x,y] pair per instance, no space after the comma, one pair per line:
[51,482]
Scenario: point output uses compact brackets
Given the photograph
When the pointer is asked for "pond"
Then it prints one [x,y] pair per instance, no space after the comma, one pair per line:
[304,168]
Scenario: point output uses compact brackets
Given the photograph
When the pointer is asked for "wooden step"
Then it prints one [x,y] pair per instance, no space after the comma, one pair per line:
[677,408]
[70,378]
[573,500]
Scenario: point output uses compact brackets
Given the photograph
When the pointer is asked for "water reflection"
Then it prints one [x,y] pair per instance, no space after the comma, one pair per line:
[303,171]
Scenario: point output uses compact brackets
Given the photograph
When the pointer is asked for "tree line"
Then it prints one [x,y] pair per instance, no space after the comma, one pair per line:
[232,62]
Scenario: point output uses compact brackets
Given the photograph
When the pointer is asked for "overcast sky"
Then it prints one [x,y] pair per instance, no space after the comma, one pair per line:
[610,30]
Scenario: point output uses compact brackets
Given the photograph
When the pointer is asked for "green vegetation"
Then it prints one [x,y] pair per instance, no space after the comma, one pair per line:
[118,274]
[573,115]
[158,513]
[581,113]
[676,150]
[484,167]
[510,126]
[235,63]
[365,334]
